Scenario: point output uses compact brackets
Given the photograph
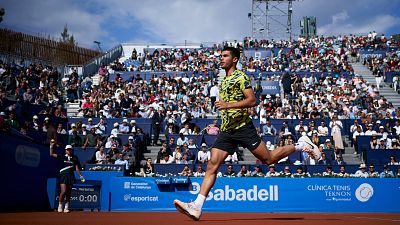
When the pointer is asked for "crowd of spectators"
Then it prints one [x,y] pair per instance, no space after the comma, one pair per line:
[338,93]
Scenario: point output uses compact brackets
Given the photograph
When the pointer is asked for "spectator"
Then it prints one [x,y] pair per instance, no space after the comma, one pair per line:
[323,160]
[322,129]
[386,173]
[100,155]
[74,139]
[182,139]
[339,160]
[372,173]
[271,171]
[122,161]
[124,127]
[393,161]
[166,159]
[336,132]
[230,172]
[186,171]
[244,172]
[361,172]
[60,129]
[286,172]
[328,172]
[204,154]
[185,130]
[147,169]
[199,172]
[91,139]
[213,128]
[342,172]
[177,155]
[164,150]
[300,173]
[269,129]
[257,172]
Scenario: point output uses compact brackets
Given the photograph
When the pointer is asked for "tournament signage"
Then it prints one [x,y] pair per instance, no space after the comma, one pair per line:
[261,195]
[270,87]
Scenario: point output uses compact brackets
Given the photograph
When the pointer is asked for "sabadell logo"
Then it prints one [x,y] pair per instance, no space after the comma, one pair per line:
[364,192]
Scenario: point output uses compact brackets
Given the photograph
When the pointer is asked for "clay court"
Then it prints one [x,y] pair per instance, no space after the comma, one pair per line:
[128,218]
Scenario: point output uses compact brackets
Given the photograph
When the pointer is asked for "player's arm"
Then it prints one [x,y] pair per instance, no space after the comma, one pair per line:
[52,149]
[248,101]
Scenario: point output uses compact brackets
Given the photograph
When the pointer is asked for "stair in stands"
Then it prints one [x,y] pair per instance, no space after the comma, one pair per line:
[385,89]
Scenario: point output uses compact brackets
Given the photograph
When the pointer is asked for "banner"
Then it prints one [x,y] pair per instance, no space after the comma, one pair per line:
[260,194]
[270,87]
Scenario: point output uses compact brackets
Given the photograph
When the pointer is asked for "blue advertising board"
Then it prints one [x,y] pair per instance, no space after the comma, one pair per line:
[261,195]
[270,87]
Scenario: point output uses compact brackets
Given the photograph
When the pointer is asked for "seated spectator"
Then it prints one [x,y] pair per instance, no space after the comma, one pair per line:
[130,155]
[342,172]
[199,172]
[34,125]
[394,144]
[393,161]
[115,130]
[322,129]
[370,131]
[60,129]
[91,139]
[122,161]
[204,155]
[101,127]
[83,131]
[230,172]
[300,173]
[74,139]
[113,153]
[268,129]
[382,144]
[328,172]
[124,127]
[177,155]
[186,171]
[339,160]
[182,139]
[189,152]
[328,145]
[257,172]
[386,173]
[244,172]
[315,138]
[166,159]
[232,158]
[374,142]
[213,128]
[73,128]
[271,171]
[164,150]
[90,124]
[324,160]
[372,173]
[133,127]
[171,144]
[100,155]
[286,172]
[191,144]
[147,169]
[361,172]
[186,130]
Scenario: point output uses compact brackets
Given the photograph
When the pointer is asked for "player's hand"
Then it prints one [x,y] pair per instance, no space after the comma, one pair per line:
[221,104]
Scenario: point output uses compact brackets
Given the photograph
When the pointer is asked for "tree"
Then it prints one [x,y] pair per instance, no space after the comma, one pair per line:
[2,12]
[66,37]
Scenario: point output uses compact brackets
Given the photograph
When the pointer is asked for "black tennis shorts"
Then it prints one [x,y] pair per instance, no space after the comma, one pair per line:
[67,178]
[245,136]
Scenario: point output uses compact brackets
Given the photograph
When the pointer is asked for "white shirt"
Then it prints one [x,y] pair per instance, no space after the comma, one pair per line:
[204,156]
[323,131]
[214,92]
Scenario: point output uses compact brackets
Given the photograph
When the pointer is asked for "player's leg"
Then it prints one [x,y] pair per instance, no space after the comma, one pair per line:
[271,157]
[63,188]
[193,209]
[67,198]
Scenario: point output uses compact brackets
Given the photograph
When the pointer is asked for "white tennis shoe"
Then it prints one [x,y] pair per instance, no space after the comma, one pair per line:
[189,209]
[310,148]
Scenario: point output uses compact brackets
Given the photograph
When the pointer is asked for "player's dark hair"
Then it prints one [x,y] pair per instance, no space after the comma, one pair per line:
[234,51]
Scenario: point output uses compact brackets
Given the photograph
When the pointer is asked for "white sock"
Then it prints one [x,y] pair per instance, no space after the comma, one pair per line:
[60,205]
[200,200]
[66,205]
[299,146]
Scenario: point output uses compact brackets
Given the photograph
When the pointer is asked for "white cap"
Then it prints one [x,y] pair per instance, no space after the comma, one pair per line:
[378,121]
[90,119]
[2,113]
[170,121]
[83,125]
[268,96]
[382,139]
[328,140]
[381,127]
[133,121]
[35,117]
[204,145]
[68,147]
[277,95]
[73,125]
[47,118]
[184,107]
[125,121]
[130,138]
[116,124]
